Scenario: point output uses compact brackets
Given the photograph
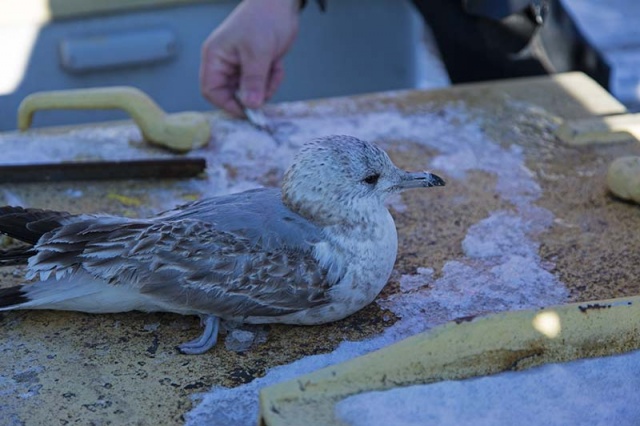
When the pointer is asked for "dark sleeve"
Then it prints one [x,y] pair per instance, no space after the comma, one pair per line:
[495,39]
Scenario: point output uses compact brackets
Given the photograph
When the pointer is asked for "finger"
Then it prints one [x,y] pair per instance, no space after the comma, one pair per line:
[226,95]
[218,84]
[254,73]
[228,102]
[223,98]
[275,79]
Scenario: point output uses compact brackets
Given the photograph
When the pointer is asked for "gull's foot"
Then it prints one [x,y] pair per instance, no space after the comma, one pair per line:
[206,341]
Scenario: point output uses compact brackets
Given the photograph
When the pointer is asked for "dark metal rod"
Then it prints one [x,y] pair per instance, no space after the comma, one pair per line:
[169,168]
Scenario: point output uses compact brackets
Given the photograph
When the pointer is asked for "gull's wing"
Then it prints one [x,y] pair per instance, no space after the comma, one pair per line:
[232,258]
[257,215]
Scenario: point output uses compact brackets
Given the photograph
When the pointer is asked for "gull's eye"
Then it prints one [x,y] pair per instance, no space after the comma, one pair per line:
[372,179]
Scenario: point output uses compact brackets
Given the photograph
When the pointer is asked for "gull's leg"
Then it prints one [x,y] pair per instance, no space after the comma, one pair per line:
[206,341]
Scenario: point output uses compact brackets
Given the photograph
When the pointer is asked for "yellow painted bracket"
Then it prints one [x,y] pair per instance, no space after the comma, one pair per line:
[461,349]
[598,130]
[179,132]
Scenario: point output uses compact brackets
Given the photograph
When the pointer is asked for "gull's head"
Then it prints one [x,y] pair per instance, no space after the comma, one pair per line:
[340,178]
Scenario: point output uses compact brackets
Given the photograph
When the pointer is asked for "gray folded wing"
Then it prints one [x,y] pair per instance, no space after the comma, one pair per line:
[258,215]
[235,256]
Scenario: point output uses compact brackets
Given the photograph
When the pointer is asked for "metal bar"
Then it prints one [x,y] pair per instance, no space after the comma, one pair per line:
[169,168]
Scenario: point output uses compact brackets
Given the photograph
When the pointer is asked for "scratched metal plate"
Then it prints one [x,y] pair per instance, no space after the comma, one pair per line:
[124,368]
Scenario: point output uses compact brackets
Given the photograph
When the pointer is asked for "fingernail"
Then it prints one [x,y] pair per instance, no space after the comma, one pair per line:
[252,99]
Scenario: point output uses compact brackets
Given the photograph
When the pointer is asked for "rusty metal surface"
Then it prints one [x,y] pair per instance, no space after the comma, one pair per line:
[119,368]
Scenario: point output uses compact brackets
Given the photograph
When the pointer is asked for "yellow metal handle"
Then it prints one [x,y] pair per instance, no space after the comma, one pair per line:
[623,178]
[179,132]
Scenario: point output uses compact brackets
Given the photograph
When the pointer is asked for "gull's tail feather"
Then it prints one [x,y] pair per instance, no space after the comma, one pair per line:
[18,256]
[80,293]
[44,295]
[29,225]
[62,286]
[12,297]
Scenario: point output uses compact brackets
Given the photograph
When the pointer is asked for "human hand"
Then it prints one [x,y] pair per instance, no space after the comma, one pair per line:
[242,58]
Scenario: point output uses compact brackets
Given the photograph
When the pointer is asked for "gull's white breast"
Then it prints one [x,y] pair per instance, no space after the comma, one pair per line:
[361,259]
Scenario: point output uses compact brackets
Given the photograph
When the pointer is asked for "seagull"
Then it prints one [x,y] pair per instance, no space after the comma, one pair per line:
[315,251]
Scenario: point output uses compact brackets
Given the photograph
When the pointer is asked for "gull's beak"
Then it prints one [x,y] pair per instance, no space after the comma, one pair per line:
[419,180]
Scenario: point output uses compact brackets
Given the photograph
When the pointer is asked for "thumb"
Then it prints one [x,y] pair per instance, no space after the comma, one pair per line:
[254,74]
